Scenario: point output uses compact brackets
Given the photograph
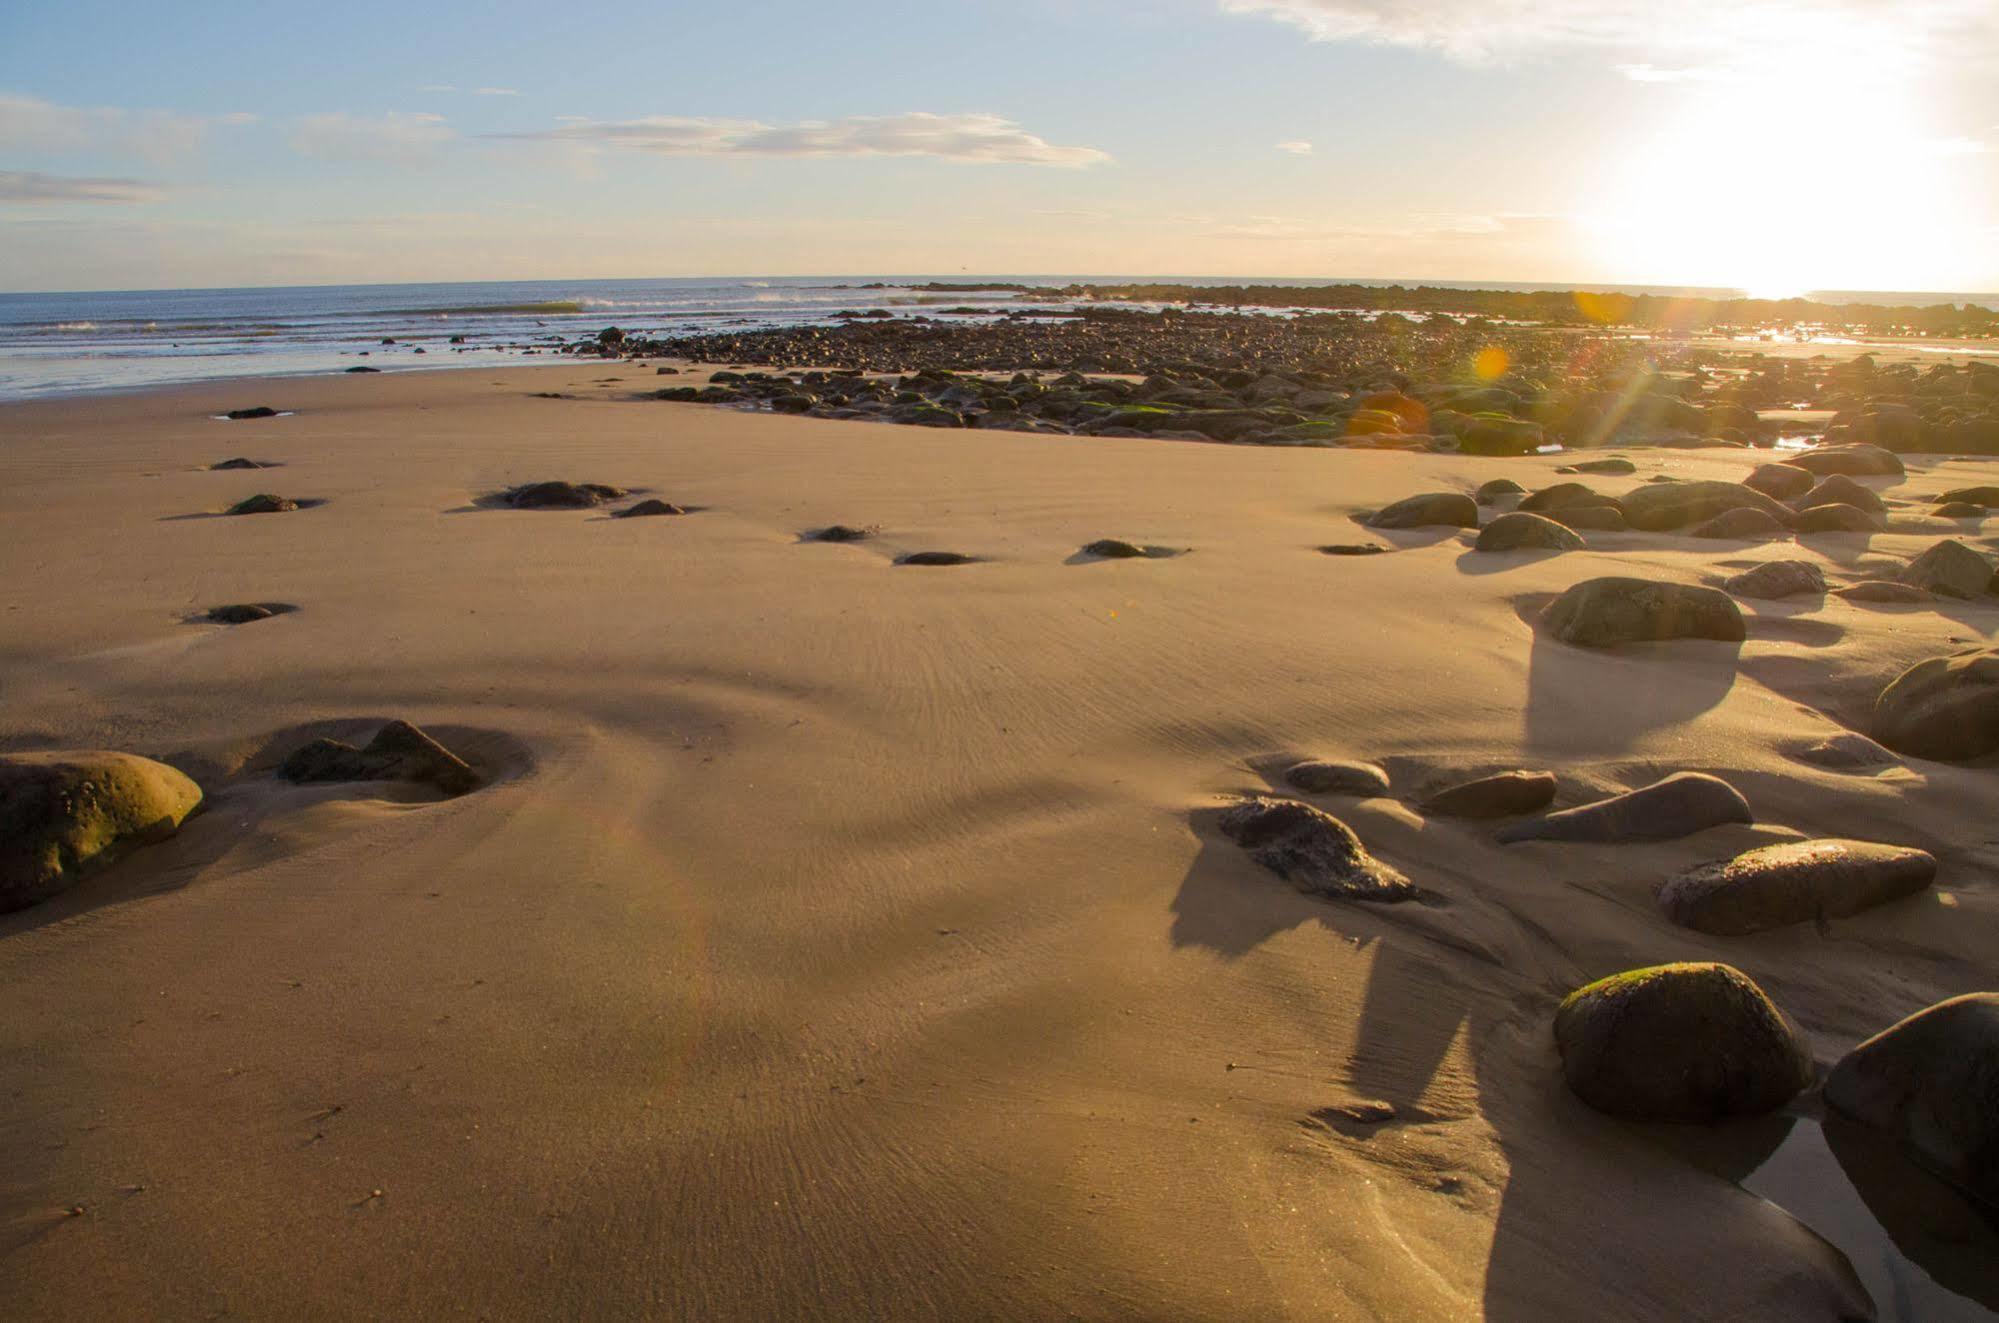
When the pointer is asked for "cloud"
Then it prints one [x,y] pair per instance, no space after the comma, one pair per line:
[29,124]
[496,91]
[28,187]
[445,89]
[985,139]
[396,136]
[438,89]
[1290,229]
[1300,148]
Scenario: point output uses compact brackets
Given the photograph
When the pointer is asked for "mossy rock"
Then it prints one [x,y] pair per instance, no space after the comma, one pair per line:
[62,815]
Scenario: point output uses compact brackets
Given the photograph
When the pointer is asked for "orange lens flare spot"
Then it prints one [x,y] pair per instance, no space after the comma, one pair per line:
[1491,363]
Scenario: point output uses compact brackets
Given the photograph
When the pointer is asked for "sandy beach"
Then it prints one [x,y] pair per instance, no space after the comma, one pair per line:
[834,938]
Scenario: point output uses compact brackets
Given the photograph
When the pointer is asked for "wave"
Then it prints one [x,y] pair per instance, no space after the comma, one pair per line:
[479,309]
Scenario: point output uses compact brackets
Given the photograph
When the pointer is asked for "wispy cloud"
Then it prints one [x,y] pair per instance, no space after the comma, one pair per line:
[984,139]
[446,89]
[27,187]
[1299,148]
[438,89]
[496,91]
[396,136]
[29,124]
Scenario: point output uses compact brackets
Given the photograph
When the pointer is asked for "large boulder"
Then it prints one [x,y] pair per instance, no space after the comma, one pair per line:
[1686,1042]
[1970,496]
[1932,1083]
[1793,883]
[1488,492]
[1599,613]
[560,495]
[1781,481]
[65,814]
[399,752]
[1950,569]
[1839,518]
[1662,506]
[1946,708]
[1775,579]
[1314,851]
[1566,496]
[1839,489]
[1859,461]
[1679,805]
[1520,531]
[1743,525]
[1587,518]
[1431,509]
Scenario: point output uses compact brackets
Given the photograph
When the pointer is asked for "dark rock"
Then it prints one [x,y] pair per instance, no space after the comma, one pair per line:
[1987,496]
[1352,549]
[561,495]
[935,558]
[1780,481]
[1678,504]
[648,507]
[1333,777]
[1775,579]
[840,533]
[1600,466]
[1680,805]
[1836,519]
[1112,548]
[1589,518]
[261,411]
[1960,510]
[1946,708]
[1314,851]
[1521,531]
[1883,590]
[1797,882]
[399,752]
[1565,496]
[1839,489]
[63,815]
[237,463]
[1498,488]
[1598,613]
[1858,461]
[243,613]
[1686,1042]
[1431,509]
[1743,525]
[1931,1083]
[262,503]
[1502,795]
[363,369]
[1950,569]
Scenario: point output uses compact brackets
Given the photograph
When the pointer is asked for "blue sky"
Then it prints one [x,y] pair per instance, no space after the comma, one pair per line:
[1780,145]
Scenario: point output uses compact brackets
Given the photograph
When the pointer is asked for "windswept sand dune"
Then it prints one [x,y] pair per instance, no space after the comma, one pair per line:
[839,939]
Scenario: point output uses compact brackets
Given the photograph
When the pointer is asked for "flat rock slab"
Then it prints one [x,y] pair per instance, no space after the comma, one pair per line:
[1780,885]
[231,465]
[1522,531]
[1312,850]
[1685,1042]
[1777,579]
[399,752]
[1931,1083]
[1600,613]
[1501,795]
[1946,708]
[257,411]
[1679,805]
[1328,776]
[1429,510]
[63,815]
[1600,466]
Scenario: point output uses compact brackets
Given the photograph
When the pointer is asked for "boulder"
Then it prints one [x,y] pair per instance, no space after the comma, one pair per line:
[935,558]
[1352,549]
[1114,548]
[1931,1083]
[1685,1042]
[64,814]
[1775,579]
[1333,777]
[1836,519]
[1780,481]
[1859,461]
[1680,805]
[1501,795]
[1520,531]
[649,507]
[1950,569]
[262,503]
[1839,489]
[1946,708]
[1780,885]
[1960,510]
[243,613]
[561,495]
[1743,525]
[399,752]
[1590,518]
[1565,496]
[237,463]
[1883,590]
[1616,466]
[260,411]
[1312,850]
[840,533]
[1670,505]
[1599,613]
[1971,496]
[1431,509]
[1489,492]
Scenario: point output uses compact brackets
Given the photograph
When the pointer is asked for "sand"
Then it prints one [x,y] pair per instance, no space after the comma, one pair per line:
[842,939]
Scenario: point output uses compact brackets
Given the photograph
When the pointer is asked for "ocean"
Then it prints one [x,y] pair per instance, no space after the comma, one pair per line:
[52,344]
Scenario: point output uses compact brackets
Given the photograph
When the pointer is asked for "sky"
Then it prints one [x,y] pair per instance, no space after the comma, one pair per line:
[1778,146]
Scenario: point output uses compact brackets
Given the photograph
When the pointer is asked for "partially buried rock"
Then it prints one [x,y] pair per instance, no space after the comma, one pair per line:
[261,411]
[1780,885]
[1686,1042]
[1591,518]
[1314,851]
[1502,795]
[399,752]
[1887,591]
[1353,549]
[1945,708]
[1950,569]
[262,503]
[651,506]
[1860,461]
[1839,489]
[1743,525]
[840,533]
[1960,510]
[1599,613]
[243,613]
[1600,466]
[1520,531]
[65,814]
[935,558]
[1566,496]
[1775,579]
[1846,752]
[1931,1083]
[1325,776]
[1677,504]
[1430,510]
[1488,492]
[1680,805]
[1114,548]
[560,495]
[238,463]
[1981,496]
[1840,518]
[1782,481]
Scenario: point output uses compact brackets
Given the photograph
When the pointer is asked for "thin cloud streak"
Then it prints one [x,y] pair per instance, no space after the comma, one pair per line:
[30,188]
[980,139]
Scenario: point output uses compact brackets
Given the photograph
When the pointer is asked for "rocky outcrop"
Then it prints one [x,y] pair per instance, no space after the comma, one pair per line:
[399,752]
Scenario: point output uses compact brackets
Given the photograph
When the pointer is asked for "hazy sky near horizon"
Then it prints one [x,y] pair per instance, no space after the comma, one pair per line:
[1775,145]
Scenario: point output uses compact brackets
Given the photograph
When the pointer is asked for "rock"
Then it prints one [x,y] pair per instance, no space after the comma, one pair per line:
[238,463]
[1686,1042]
[1743,525]
[1332,777]
[1590,518]
[1314,851]
[840,533]
[1931,1083]
[399,752]
[935,558]
[1971,496]
[1566,496]
[1353,549]
[1497,489]
[1502,795]
[1780,481]
[1846,752]
[1599,613]
[1432,509]
[1775,579]
[561,495]
[1600,466]
[262,503]
[1520,531]
[1946,708]
[1680,805]
[1960,510]
[1883,590]
[1841,490]
[1950,569]
[362,369]
[1677,504]
[650,506]
[243,613]
[1836,519]
[261,411]
[64,814]
[1780,885]
[1858,461]
[1112,548]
